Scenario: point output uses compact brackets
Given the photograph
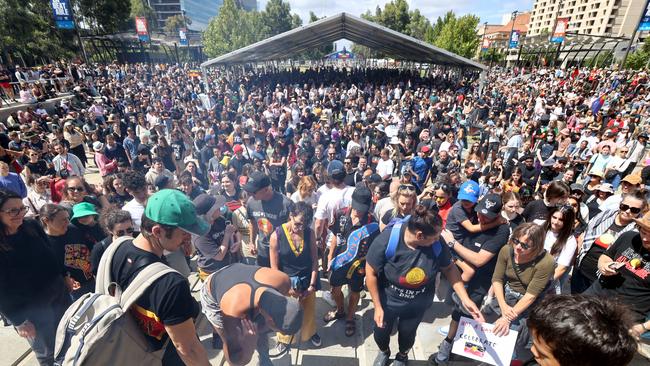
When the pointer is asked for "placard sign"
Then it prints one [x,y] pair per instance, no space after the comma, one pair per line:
[141,28]
[62,14]
[476,341]
[561,26]
[514,39]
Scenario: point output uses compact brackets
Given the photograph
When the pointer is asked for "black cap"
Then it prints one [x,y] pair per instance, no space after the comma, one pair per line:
[489,206]
[204,202]
[257,181]
[577,187]
[374,178]
[361,199]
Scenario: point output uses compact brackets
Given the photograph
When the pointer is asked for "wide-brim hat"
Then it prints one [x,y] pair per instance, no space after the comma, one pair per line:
[83,209]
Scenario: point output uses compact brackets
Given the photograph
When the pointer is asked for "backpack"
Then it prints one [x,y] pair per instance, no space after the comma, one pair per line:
[98,329]
[393,241]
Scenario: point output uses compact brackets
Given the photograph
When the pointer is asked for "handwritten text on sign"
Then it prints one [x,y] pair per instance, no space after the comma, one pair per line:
[477,341]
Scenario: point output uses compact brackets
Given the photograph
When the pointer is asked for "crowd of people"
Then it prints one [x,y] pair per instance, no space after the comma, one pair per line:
[526,188]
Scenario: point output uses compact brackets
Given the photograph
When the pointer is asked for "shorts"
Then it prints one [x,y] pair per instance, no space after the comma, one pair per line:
[354,280]
[211,309]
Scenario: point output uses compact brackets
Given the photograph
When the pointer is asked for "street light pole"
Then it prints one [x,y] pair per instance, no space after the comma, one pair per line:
[483,40]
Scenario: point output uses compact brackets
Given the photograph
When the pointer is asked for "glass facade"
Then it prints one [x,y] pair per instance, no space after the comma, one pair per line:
[201,11]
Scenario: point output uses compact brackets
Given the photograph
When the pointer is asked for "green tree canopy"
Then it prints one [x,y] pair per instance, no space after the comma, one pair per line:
[176,22]
[458,35]
[277,17]
[104,16]
[140,8]
[232,28]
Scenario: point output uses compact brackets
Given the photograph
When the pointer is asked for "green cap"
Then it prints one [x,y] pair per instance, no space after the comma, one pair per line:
[83,209]
[172,207]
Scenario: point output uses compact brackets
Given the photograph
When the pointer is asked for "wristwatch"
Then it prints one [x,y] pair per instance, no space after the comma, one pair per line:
[451,243]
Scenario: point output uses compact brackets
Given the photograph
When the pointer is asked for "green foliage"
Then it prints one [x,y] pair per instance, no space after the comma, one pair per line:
[455,34]
[176,22]
[103,16]
[459,36]
[140,8]
[233,28]
[319,52]
[492,55]
[296,21]
[639,58]
[277,17]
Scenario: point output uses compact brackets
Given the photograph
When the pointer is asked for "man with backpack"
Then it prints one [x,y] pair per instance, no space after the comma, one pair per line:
[347,256]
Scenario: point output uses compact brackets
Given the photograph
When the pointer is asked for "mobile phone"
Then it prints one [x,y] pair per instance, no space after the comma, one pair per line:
[616,265]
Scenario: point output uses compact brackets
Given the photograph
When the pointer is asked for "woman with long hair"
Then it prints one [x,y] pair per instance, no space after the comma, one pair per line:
[510,209]
[522,273]
[560,242]
[76,140]
[165,152]
[34,293]
[555,195]
[515,182]
[77,190]
[306,191]
[404,201]
[231,190]
[277,169]
[474,156]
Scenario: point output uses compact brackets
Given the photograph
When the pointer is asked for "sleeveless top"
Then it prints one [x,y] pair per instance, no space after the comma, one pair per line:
[295,258]
[232,275]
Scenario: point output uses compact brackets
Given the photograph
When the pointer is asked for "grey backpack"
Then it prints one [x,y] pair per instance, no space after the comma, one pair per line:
[98,329]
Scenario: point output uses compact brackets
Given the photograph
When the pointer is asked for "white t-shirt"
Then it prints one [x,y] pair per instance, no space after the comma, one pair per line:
[332,202]
[385,167]
[136,209]
[566,255]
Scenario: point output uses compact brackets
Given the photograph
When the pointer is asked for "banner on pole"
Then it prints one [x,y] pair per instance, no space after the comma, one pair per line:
[477,341]
[142,29]
[182,34]
[485,45]
[62,14]
[560,30]
[644,25]
[514,39]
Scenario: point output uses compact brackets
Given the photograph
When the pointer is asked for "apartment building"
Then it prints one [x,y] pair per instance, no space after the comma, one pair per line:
[616,18]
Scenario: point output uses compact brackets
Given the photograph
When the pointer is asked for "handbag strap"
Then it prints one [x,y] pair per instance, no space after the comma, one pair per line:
[514,265]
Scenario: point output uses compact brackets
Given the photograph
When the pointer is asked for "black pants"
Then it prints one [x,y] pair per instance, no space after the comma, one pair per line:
[579,282]
[408,318]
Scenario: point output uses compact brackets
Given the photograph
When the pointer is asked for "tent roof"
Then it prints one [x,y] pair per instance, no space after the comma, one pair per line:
[343,26]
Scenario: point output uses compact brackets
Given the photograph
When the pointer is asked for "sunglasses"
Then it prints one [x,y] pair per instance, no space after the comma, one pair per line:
[406,187]
[127,231]
[76,189]
[634,210]
[523,245]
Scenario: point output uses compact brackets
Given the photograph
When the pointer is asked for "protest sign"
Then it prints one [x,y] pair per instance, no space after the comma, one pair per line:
[477,341]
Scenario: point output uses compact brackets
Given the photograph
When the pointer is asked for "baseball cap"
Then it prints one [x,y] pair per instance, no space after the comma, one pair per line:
[577,187]
[285,312]
[257,181]
[172,207]
[205,202]
[604,187]
[335,169]
[469,191]
[489,206]
[361,199]
[237,148]
[425,149]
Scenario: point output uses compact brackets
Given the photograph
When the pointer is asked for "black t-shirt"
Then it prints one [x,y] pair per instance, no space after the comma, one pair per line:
[408,278]
[39,167]
[267,215]
[388,216]
[167,301]
[491,240]
[631,286]
[536,210]
[589,264]
[208,247]
[72,250]
[455,217]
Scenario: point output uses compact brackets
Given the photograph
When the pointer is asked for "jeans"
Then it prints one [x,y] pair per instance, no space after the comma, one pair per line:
[45,317]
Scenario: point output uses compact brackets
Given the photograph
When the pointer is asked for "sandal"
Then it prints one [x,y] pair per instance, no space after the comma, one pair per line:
[333,315]
[350,328]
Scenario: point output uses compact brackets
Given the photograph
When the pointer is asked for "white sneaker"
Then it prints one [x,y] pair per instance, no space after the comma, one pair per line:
[327,296]
[444,330]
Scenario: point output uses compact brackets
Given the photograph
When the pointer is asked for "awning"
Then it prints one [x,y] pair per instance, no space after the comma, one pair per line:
[343,26]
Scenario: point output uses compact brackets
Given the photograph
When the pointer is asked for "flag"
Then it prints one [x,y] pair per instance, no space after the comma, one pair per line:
[597,104]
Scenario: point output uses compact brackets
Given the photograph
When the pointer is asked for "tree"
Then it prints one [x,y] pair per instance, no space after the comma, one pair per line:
[458,35]
[176,22]
[140,9]
[296,21]
[233,28]
[104,16]
[318,52]
[277,17]
[640,57]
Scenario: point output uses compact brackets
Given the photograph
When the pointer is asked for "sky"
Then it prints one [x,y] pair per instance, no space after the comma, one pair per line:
[491,11]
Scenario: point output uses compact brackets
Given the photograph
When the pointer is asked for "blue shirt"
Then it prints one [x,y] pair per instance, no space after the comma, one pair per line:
[421,167]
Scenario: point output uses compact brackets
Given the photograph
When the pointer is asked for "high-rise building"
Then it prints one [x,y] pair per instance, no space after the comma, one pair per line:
[616,18]
[198,11]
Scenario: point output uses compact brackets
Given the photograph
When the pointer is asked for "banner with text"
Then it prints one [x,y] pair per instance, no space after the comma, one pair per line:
[644,25]
[486,44]
[142,29]
[477,341]
[560,30]
[62,14]
[514,39]
[182,34]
